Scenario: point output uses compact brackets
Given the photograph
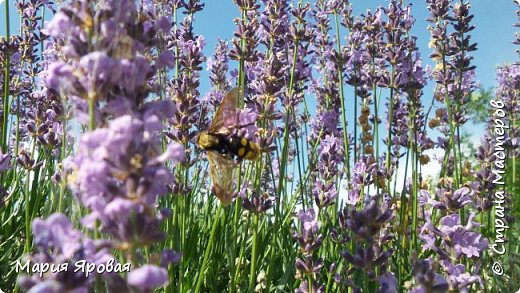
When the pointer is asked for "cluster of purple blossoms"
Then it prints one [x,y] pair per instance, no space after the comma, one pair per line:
[9,52]
[218,67]
[355,58]
[301,33]
[261,73]
[118,173]
[363,175]
[508,78]
[453,72]
[44,119]
[183,89]
[399,128]
[265,78]
[5,164]
[37,118]
[264,74]
[409,78]
[484,180]
[456,246]
[370,234]
[326,87]
[426,279]
[275,25]
[257,203]
[326,130]
[384,54]
[58,243]
[111,68]
[107,66]
[309,240]
[329,159]
[29,67]
[483,184]
[65,249]
[119,169]
[245,41]
[457,242]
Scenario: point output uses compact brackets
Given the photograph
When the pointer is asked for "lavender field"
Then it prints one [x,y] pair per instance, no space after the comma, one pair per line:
[315,149]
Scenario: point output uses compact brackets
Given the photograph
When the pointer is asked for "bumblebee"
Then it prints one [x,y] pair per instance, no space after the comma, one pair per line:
[224,148]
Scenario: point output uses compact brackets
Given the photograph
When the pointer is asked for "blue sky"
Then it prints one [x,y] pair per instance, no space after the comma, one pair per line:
[494,33]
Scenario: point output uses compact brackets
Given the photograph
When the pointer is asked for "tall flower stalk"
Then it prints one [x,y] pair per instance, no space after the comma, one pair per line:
[7,79]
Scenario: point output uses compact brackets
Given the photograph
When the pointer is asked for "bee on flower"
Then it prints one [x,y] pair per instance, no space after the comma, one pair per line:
[228,139]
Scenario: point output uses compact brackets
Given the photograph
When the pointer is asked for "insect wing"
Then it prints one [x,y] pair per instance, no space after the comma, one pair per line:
[226,112]
[222,172]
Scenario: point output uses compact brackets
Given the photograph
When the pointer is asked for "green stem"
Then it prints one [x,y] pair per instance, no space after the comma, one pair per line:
[63,154]
[299,162]
[242,250]
[343,110]
[282,165]
[276,227]
[241,68]
[28,204]
[458,106]
[390,120]
[285,147]
[233,239]
[91,113]
[356,156]
[6,81]
[252,273]
[209,247]
[452,130]
[413,149]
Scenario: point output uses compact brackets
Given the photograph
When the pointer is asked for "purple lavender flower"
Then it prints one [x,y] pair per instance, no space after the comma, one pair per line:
[148,277]
[57,243]
[368,230]
[456,242]
[458,279]
[463,241]
[387,283]
[329,159]
[313,288]
[5,161]
[508,77]
[257,204]
[244,124]
[246,31]
[110,164]
[449,200]
[367,259]
[184,89]
[309,239]
[170,257]
[218,67]
[367,223]
[112,72]
[59,26]
[363,175]
[427,280]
